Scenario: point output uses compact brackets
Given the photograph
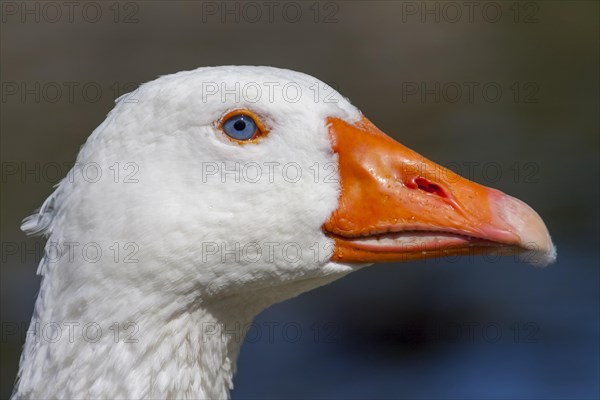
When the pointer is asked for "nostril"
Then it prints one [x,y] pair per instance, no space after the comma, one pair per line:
[428,186]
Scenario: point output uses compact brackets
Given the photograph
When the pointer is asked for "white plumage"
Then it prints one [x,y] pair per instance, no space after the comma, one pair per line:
[170,275]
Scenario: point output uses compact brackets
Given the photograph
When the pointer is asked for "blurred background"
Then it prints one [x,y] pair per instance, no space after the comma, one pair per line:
[505,93]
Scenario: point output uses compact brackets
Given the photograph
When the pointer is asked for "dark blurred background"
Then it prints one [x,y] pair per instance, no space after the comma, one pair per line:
[505,93]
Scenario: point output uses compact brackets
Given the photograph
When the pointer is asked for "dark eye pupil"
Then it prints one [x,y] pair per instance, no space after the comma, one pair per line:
[239,125]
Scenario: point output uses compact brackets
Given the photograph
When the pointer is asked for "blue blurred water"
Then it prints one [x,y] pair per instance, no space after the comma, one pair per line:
[450,332]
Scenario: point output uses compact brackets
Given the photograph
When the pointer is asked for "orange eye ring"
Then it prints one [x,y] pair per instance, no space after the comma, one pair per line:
[261,130]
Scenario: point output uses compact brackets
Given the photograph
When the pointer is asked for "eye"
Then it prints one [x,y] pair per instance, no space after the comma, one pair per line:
[242,125]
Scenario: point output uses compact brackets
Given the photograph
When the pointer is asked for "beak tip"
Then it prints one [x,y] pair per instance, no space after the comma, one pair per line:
[523,221]
[547,258]
[539,257]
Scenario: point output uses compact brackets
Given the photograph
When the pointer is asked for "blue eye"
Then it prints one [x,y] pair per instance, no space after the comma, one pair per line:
[240,127]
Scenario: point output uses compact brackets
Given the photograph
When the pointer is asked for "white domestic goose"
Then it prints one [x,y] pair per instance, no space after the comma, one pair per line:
[208,195]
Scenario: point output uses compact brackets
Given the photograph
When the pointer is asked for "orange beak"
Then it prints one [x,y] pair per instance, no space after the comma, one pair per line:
[396,205]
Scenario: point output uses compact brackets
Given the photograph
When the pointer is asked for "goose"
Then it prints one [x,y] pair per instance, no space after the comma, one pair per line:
[208,195]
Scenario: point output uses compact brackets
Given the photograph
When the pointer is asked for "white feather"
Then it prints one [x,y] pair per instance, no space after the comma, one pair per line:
[178,293]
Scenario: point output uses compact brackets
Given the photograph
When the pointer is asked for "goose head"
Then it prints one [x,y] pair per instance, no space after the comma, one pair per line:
[230,188]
